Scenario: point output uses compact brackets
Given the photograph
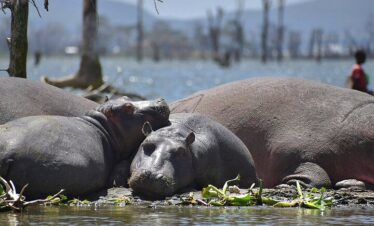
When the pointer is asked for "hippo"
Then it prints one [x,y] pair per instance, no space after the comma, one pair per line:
[78,154]
[295,129]
[193,151]
[21,97]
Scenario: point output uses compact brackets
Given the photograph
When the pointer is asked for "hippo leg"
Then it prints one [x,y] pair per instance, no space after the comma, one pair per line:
[353,183]
[309,175]
[120,174]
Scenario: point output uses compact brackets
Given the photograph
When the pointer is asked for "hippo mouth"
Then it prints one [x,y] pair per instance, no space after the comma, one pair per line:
[150,185]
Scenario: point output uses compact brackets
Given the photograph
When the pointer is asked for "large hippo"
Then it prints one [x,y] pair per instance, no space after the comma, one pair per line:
[75,153]
[193,151]
[295,129]
[21,97]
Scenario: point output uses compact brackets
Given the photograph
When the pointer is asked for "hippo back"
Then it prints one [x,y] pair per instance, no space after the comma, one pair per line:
[21,97]
[284,121]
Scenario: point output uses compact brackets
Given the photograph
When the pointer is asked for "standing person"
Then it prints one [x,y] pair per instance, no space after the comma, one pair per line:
[358,77]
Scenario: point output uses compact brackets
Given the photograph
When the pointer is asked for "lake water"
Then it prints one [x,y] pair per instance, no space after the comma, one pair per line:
[176,79]
[136,215]
[173,80]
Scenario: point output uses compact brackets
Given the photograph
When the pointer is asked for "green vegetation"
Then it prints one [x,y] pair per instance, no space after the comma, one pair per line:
[11,200]
[314,199]
[64,201]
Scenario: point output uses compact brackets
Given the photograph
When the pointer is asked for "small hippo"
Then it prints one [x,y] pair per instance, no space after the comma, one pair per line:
[75,153]
[193,151]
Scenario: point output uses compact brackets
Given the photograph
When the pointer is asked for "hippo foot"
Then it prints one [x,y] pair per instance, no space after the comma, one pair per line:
[120,175]
[351,183]
[309,175]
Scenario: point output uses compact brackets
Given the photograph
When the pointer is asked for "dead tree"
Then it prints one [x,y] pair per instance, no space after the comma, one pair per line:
[214,23]
[90,72]
[265,30]
[18,43]
[319,42]
[280,30]
[294,43]
[139,47]
[239,32]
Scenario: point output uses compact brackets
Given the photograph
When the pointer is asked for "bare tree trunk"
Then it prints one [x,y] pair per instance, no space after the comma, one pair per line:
[18,44]
[280,30]
[294,42]
[139,51]
[90,68]
[239,32]
[90,72]
[265,30]
[312,43]
[319,42]
[215,31]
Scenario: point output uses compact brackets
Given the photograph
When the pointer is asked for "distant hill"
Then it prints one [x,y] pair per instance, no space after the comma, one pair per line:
[330,15]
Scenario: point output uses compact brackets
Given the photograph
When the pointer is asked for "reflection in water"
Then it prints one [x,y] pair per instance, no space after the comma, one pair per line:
[185,215]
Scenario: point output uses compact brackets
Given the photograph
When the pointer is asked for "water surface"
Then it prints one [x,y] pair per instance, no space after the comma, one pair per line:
[135,215]
[177,79]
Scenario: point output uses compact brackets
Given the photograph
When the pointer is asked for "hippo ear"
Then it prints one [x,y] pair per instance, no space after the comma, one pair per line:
[147,128]
[128,108]
[190,138]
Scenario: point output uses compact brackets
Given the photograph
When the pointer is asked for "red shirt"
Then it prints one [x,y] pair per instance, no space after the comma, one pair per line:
[359,78]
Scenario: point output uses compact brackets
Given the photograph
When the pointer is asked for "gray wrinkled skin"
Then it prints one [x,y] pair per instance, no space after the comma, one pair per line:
[295,129]
[193,151]
[21,97]
[75,153]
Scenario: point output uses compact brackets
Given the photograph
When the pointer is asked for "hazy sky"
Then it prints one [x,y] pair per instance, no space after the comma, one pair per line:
[187,9]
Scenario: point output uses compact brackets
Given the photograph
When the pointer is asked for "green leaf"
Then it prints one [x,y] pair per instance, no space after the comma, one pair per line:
[298,188]
[269,201]
[209,193]
[286,204]
[239,200]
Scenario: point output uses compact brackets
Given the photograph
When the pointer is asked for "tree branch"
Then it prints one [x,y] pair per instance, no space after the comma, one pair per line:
[156,5]
[46,5]
[5,4]
[36,7]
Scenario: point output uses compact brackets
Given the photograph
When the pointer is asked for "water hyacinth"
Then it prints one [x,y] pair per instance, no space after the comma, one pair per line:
[309,200]
[223,197]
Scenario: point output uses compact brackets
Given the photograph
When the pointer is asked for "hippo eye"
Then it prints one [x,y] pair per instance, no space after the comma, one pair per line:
[149,148]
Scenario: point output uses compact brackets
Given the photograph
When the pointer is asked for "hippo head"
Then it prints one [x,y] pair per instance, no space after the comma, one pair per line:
[123,119]
[163,164]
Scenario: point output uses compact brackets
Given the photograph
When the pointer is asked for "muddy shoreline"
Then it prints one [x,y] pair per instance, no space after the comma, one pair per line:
[343,198]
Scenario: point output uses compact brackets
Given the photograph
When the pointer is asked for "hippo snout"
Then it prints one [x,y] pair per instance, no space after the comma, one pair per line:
[162,107]
[151,185]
